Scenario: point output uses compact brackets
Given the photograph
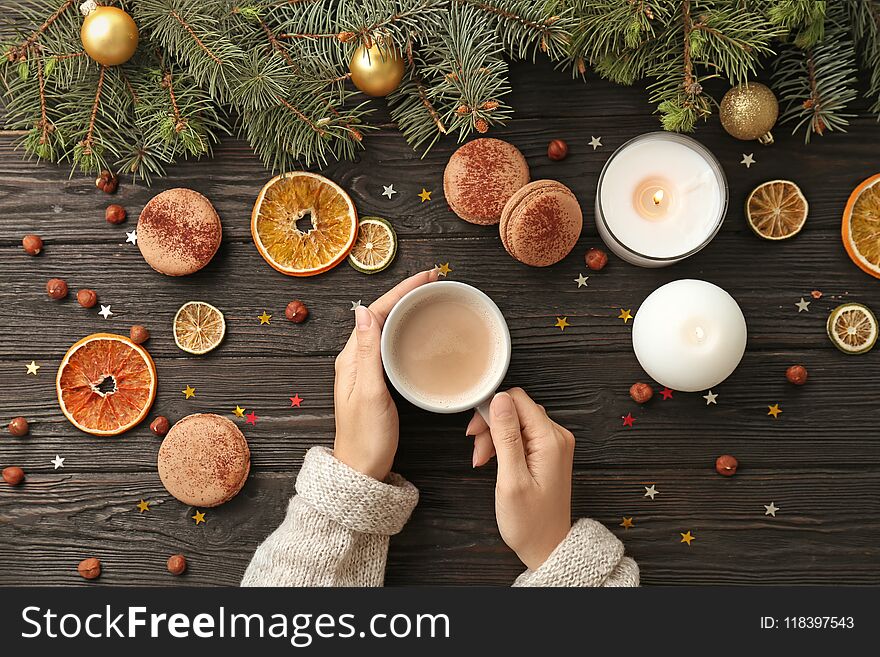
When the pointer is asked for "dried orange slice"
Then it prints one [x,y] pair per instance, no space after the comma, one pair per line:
[861,226]
[198,327]
[776,210]
[303,224]
[106,384]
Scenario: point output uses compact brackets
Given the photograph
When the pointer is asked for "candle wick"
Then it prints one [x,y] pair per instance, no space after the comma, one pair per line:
[658,197]
[700,333]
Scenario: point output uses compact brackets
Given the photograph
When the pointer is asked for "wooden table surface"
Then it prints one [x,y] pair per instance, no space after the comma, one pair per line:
[819,462]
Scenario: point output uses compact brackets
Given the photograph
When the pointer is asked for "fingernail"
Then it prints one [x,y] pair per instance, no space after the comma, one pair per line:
[468,432]
[502,405]
[474,461]
[363,318]
[433,273]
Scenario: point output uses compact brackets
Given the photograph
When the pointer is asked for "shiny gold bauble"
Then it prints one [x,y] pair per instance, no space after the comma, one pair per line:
[109,36]
[377,71]
[749,111]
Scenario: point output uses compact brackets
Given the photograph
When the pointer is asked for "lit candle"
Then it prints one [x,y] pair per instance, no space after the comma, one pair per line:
[661,197]
[689,335]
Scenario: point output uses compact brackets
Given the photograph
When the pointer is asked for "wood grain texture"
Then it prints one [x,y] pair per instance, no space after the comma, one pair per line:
[820,462]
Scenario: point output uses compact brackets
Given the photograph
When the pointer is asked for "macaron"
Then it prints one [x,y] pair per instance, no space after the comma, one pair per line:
[204,460]
[481,176]
[178,232]
[541,223]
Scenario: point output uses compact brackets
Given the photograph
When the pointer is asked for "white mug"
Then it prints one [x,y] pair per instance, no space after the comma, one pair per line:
[480,399]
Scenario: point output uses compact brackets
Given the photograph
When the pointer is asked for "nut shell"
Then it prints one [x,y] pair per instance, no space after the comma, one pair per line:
[139,334]
[296,312]
[797,374]
[596,259]
[13,475]
[18,427]
[726,465]
[160,425]
[89,568]
[32,244]
[641,392]
[56,288]
[87,298]
[115,214]
[557,150]
[176,564]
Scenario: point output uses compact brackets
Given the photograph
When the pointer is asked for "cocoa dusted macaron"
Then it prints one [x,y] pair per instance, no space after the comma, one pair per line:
[178,232]
[541,223]
[481,176]
[204,460]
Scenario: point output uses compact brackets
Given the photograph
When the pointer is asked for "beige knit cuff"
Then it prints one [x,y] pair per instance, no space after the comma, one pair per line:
[354,500]
[586,557]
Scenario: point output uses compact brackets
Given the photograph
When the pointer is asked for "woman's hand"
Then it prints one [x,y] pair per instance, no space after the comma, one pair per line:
[367,427]
[533,489]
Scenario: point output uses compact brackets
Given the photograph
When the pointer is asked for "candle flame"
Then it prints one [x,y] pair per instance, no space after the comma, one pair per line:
[658,197]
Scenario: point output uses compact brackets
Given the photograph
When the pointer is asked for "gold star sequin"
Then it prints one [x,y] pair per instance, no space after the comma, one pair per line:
[425,195]
[687,538]
[443,269]
[238,411]
[627,522]
[32,368]
[625,315]
[188,392]
[199,517]
[143,506]
[774,410]
[561,323]
[264,318]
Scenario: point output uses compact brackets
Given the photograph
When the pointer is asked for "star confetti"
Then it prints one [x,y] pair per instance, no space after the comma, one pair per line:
[443,270]
[58,462]
[595,142]
[199,517]
[774,410]
[425,195]
[388,190]
[355,304]
[581,280]
[296,400]
[105,311]
[710,398]
[264,318]
[251,418]
[650,491]
[667,393]
[188,392]
[748,160]
[143,506]
[771,509]
[627,522]
[238,411]
[561,323]
[816,294]
[803,305]
[625,315]
[131,237]
[628,419]
[687,538]
[32,368]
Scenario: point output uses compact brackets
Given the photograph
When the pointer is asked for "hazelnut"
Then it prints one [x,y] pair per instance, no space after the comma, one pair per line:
[641,392]
[296,312]
[87,298]
[160,425]
[89,568]
[115,214]
[32,244]
[18,427]
[13,475]
[139,334]
[107,182]
[726,465]
[56,288]
[557,150]
[796,374]
[176,564]
[596,259]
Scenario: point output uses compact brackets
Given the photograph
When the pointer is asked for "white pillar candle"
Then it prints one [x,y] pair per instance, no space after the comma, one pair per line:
[689,335]
[661,198]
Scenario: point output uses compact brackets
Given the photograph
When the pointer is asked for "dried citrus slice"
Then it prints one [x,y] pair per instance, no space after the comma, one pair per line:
[776,210]
[198,327]
[303,224]
[375,247]
[861,226]
[852,328]
[106,384]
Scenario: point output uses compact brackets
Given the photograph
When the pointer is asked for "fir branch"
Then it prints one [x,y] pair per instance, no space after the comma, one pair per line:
[20,51]
[86,144]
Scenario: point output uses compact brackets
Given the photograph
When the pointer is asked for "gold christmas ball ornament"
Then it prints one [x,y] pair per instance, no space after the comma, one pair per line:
[749,111]
[378,70]
[109,36]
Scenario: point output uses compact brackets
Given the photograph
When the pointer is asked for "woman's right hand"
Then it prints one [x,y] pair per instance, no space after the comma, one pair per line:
[533,488]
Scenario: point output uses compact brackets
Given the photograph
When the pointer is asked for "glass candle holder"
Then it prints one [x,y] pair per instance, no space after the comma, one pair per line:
[661,198]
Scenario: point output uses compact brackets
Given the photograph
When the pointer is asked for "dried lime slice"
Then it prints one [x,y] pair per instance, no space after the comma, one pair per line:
[375,247]
[198,327]
[852,328]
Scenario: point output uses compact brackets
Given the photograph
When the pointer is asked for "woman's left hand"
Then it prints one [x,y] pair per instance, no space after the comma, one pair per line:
[367,427]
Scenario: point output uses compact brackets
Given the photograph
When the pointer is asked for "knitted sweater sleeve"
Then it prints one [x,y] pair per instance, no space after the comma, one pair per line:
[336,530]
[589,556]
